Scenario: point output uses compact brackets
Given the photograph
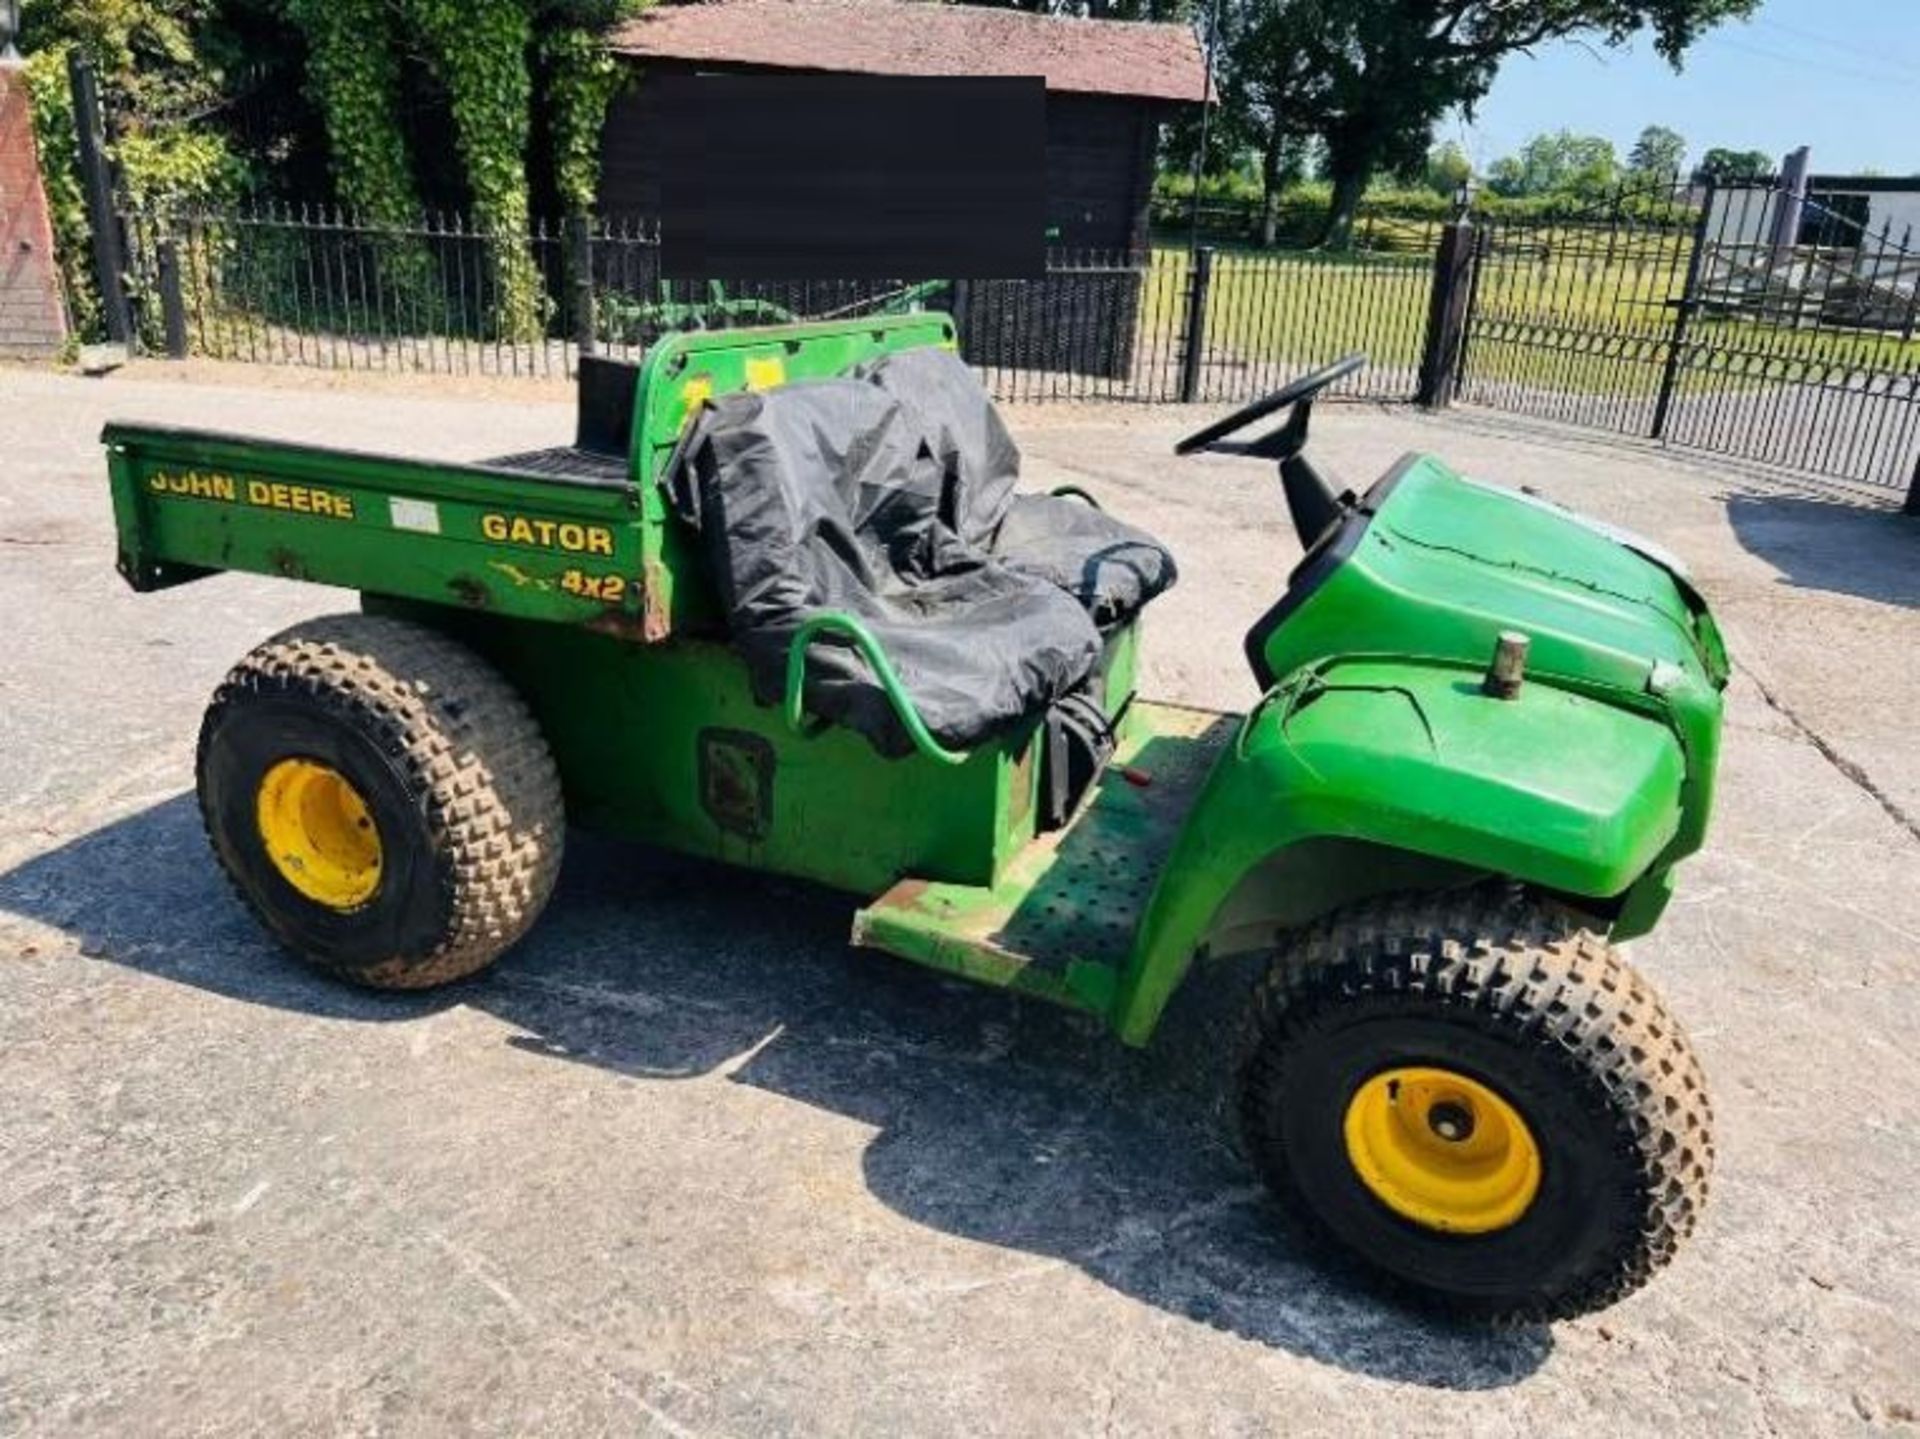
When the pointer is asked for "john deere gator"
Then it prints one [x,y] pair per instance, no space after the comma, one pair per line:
[782,605]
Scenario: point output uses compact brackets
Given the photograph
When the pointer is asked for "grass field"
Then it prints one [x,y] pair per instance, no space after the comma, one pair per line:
[1568,319]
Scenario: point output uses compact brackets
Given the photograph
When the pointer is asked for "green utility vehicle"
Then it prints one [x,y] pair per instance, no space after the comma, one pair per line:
[1487,733]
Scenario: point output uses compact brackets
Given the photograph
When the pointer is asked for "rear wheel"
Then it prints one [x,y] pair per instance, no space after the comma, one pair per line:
[1480,1101]
[382,799]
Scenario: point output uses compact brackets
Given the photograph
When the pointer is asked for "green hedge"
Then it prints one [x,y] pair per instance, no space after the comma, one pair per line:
[1299,204]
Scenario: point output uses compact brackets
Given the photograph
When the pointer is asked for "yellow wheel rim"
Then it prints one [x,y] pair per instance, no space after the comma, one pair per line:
[1442,1150]
[318,833]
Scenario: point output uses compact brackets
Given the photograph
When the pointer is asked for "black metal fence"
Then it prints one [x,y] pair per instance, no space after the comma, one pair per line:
[1738,320]
[318,287]
[302,286]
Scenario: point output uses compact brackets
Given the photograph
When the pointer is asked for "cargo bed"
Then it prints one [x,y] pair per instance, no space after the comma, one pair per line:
[574,534]
[505,536]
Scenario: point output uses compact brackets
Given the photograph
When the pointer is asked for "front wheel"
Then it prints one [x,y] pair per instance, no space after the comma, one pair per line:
[1480,1101]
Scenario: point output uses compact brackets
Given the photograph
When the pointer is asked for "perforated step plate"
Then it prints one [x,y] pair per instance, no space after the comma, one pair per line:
[1060,923]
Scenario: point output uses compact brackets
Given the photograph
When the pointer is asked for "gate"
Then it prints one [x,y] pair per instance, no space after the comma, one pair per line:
[1741,319]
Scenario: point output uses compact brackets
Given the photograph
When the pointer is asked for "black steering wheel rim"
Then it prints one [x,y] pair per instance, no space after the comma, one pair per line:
[1292,393]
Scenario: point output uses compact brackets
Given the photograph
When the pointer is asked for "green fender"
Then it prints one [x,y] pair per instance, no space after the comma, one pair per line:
[1367,774]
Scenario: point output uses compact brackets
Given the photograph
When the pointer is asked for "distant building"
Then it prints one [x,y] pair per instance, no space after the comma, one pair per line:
[1882,212]
[1843,250]
[1110,84]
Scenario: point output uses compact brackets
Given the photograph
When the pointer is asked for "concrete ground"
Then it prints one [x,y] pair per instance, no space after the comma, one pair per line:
[685,1162]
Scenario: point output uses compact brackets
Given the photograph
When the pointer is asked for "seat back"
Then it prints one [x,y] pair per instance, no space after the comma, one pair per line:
[604,399]
[975,449]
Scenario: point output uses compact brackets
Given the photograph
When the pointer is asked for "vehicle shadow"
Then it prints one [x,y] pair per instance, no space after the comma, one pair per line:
[1830,544]
[1000,1121]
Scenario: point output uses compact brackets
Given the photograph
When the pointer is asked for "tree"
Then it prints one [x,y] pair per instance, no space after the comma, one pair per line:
[1720,164]
[161,96]
[1448,168]
[1258,70]
[1562,163]
[1658,152]
[1371,78]
[483,54]
[160,92]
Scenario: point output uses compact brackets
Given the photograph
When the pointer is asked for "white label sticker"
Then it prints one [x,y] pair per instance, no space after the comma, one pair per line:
[421,515]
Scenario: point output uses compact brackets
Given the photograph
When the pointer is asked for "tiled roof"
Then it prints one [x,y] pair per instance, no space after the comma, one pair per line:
[923,37]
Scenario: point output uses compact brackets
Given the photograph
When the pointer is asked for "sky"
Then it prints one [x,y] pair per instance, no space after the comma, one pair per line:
[1839,75]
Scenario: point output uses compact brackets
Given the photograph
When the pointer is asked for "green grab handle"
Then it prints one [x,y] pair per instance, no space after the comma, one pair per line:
[1073,492]
[870,650]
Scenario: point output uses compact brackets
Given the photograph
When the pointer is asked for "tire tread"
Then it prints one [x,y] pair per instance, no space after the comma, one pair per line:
[1520,966]
[471,750]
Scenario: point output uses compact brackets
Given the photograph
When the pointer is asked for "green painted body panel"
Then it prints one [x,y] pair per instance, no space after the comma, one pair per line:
[1553,788]
[1059,924]
[189,503]
[1373,761]
[666,744]
[1643,904]
[1447,564]
[1593,783]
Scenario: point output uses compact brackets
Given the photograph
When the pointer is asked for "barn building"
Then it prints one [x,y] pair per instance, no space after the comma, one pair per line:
[1110,85]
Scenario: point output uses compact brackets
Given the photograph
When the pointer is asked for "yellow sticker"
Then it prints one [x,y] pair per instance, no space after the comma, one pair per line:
[302,499]
[608,589]
[548,534]
[695,393]
[766,372]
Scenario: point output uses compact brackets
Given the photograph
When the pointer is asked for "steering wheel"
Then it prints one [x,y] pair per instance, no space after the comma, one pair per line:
[1282,440]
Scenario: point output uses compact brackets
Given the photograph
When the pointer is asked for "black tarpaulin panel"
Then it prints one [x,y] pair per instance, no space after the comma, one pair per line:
[828,495]
[1109,566]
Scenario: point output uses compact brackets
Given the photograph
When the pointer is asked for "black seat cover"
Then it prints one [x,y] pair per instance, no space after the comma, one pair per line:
[1112,568]
[832,495]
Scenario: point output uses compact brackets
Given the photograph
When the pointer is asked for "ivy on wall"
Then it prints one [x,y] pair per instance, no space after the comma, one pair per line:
[582,79]
[168,64]
[352,69]
[479,49]
[483,52]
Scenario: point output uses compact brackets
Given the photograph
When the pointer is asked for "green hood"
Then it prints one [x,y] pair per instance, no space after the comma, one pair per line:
[1431,566]
[1435,565]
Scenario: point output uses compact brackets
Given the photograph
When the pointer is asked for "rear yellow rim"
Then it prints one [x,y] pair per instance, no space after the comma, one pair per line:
[318,833]
[1442,1150]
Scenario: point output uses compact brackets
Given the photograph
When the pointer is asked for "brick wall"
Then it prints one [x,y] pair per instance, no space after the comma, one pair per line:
[32,319]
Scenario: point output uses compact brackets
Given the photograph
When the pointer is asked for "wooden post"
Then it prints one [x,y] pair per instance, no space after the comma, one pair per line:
[580,256]
[1195,345]
[1447,315]
[173,305]
[109,256]
[962,304]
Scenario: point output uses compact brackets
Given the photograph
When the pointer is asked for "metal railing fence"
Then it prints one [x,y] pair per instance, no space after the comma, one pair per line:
[441,295]
[1681,314]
